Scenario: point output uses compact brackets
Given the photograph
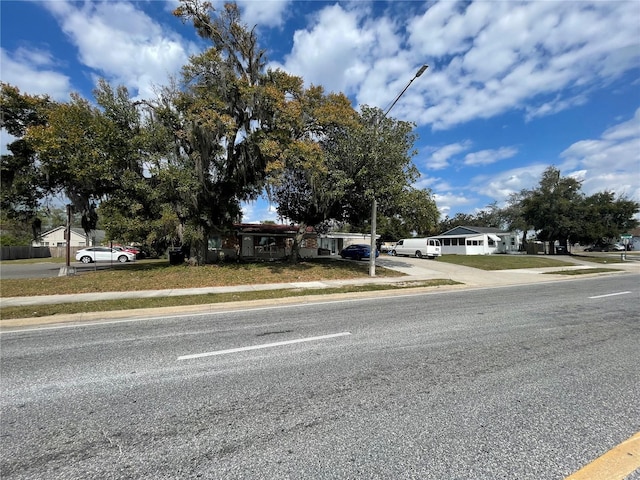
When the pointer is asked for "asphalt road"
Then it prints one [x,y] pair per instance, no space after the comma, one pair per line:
[528,382]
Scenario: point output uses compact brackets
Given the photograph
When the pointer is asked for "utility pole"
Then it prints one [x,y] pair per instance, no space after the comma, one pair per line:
[67,269]
[374,204]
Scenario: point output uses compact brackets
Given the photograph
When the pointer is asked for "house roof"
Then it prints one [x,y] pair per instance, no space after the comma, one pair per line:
[462,231]
[269,228]
[99,235]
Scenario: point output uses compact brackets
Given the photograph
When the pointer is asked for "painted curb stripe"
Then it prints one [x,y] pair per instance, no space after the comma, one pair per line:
[616,464]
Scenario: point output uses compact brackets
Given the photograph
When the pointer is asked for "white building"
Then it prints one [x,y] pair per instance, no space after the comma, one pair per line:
[478,241]
[56,238]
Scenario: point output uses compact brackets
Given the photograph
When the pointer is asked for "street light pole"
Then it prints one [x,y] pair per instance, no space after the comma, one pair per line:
[374,204]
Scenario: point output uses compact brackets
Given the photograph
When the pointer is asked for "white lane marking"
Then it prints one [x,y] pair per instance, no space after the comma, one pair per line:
[611,295]
[264,345]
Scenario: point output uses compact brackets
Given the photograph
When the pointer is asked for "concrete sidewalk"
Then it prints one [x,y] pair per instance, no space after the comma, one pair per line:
[415,270]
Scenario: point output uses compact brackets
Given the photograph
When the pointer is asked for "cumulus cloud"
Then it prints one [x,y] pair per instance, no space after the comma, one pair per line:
[449,203]
[34,72]
[611,162]
[134,51]
[346,49]
[487,157]
[440,157]
[269,13]
[486,58]
[501,185]
[492,57]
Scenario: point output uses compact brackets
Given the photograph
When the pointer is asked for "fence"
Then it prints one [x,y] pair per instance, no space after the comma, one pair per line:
[17,252]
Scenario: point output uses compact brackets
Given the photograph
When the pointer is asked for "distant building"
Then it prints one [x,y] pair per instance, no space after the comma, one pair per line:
[478,241]
[56,238]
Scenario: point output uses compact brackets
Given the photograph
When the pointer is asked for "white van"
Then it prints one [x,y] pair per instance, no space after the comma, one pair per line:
[419,247]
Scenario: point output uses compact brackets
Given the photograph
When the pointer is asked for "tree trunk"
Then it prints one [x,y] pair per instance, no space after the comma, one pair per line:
[297,241]
[199,248]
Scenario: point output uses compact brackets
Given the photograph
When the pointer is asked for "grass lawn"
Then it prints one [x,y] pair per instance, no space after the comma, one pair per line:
[159,275]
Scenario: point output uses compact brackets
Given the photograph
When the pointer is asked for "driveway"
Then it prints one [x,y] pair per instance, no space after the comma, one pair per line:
[14,270]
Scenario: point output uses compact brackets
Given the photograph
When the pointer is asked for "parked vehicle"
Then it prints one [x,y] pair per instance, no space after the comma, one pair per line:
[599,247]
[618,248]
[418,247]
[104,254]
[135,250]
[357,252]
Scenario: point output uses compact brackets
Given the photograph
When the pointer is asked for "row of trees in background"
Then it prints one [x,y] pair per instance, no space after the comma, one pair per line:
[175,169]
[558,212]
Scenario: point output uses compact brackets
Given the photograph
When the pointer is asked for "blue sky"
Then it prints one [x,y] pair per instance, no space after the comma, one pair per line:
[512,87]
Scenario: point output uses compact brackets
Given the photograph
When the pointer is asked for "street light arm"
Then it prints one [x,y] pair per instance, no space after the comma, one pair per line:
[418,73]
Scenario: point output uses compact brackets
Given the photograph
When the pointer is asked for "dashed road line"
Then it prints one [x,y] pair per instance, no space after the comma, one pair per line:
[611,295]
[264,345]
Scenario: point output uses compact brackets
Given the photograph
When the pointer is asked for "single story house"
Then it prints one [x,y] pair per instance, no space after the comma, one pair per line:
[56,238]
[261,241]
[464,240]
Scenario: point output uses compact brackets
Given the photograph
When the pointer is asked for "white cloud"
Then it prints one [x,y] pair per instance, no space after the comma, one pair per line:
[334,52]
[133,50]
[523,55]
[33,72]
[500,186]
[448,202]
[269,13]
[487,157]
[439,159]
[611,162]
[259,211]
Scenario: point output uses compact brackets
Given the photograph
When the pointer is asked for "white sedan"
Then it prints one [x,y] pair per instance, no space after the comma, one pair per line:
[103,254]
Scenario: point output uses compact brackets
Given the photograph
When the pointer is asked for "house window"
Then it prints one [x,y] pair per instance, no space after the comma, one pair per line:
[469,242]
[214,242]
[481,242]
[447,241]
[454,241]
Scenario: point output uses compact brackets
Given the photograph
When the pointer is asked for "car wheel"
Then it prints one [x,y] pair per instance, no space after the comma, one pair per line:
[123,259]
[418,254]
[393,253]
[86,259]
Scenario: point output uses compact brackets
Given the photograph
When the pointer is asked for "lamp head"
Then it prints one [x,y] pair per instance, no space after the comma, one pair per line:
[421,71]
